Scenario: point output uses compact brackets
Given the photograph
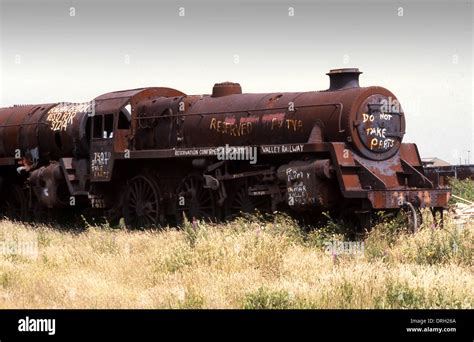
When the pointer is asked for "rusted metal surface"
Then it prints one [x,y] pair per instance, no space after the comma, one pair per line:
[369,119]
[308,184]
[49,184]
[43,132]
[437,198]
[139,153]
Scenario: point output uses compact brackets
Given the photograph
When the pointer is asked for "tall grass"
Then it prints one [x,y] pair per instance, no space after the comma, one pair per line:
[248,263]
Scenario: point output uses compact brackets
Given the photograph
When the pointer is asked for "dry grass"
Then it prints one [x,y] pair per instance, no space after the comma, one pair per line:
[244,264]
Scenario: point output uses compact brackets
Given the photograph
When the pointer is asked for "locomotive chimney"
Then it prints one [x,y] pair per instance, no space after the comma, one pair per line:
[343,78]
[226,88]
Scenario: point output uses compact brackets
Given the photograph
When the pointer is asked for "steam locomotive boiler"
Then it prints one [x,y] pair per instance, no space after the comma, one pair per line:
[155,155]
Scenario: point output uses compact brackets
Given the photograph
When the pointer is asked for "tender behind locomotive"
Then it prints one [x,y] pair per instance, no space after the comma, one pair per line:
[155,154]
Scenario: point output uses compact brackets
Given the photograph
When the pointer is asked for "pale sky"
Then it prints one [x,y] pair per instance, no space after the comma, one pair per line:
[54,51]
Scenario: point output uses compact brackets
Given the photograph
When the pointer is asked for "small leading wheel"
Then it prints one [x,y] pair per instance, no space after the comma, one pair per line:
[194,201]
[141,206]
[412,217]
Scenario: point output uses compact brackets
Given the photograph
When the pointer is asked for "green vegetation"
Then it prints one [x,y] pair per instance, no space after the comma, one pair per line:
[462,188]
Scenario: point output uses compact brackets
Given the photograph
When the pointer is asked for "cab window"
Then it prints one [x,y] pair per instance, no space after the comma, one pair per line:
[103,126]
[124,120]
[97,127]
[108,126]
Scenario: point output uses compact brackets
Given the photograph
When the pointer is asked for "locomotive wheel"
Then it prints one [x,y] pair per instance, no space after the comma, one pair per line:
[411,217]
[195,201]
[415,219]
[14,205]
[242,202]
[141,206]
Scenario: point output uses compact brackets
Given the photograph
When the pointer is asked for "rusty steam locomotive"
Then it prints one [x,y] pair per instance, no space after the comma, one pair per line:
[155,154]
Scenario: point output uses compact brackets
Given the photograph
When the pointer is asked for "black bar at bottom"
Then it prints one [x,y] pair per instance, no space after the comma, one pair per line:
[400,325]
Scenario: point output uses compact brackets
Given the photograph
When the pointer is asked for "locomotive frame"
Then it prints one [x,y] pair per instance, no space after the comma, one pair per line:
[151,155]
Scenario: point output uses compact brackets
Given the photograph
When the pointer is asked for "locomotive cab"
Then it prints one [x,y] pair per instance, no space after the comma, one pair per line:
[113,127]
[109,132]
[102,145]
